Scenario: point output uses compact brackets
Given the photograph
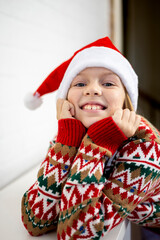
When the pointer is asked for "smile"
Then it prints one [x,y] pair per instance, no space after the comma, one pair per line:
[93,107]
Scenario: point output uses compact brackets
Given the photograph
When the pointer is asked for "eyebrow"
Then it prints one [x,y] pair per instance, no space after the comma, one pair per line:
[81,74]
[74,80]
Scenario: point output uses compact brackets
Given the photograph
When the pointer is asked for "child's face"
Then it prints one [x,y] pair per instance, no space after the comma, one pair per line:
[96,93]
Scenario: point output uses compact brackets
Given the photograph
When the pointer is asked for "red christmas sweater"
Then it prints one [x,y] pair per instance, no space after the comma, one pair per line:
[91,181]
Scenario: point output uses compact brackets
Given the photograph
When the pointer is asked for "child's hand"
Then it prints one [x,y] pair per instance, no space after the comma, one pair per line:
[128,121]
[65,109]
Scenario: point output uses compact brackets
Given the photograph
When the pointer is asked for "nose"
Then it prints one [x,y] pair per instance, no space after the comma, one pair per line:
[93,90]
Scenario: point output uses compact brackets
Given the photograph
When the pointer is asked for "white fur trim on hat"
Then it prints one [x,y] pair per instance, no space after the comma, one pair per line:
[102,57]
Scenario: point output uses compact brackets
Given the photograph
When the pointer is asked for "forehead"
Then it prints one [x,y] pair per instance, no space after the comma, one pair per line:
[91,73]
[95,70]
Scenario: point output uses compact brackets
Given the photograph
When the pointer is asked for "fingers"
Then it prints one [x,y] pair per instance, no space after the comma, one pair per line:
[128,121]
[59,105]
[131,117]
[118,115]
[126,115]
[72,110]
[65,109]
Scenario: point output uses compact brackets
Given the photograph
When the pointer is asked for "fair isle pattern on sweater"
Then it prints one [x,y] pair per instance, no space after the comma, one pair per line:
[40,207]
[71,190]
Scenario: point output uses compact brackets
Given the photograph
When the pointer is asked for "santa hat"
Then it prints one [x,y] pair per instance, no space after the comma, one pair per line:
[101,53]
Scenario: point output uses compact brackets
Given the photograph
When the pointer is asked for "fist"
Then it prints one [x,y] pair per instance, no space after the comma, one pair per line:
[65,109]
[128,121]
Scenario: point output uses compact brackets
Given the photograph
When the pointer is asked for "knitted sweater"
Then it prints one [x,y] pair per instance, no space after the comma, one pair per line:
[91,181]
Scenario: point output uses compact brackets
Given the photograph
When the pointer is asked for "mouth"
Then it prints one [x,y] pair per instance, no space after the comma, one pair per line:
[93,106]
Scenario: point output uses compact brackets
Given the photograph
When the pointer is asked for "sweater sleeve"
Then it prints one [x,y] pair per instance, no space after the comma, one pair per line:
[82,201]
[147,213]
[92,205]
[133,185]
[40,204]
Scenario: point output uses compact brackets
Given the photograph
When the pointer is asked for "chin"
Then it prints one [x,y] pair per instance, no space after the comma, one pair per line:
[89,122]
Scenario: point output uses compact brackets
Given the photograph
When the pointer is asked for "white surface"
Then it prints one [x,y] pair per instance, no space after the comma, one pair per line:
[11,225]
[36,36]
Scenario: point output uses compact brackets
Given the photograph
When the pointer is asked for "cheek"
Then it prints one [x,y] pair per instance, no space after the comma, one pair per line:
[117,98]
[71,96]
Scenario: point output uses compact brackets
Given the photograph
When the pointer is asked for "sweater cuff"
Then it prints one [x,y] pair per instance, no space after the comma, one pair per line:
[107,134]
[70,132]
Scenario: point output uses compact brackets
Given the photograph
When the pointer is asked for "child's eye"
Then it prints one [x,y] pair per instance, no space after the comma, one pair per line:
[108,84]
[79,84]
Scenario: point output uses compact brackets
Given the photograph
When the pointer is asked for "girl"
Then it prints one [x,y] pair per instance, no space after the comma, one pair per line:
[103,165]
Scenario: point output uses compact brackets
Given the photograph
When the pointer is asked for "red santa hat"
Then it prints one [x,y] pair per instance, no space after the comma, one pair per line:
[101,53]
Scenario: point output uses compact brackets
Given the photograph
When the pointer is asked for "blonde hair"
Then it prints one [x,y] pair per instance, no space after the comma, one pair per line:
[127,102]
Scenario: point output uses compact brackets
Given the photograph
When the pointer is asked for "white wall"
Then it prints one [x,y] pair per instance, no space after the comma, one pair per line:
[36,36]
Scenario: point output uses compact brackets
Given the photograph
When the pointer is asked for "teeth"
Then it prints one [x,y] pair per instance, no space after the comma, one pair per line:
[93,107]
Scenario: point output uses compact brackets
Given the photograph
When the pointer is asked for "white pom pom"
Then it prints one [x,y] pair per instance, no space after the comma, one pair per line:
[32,101]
